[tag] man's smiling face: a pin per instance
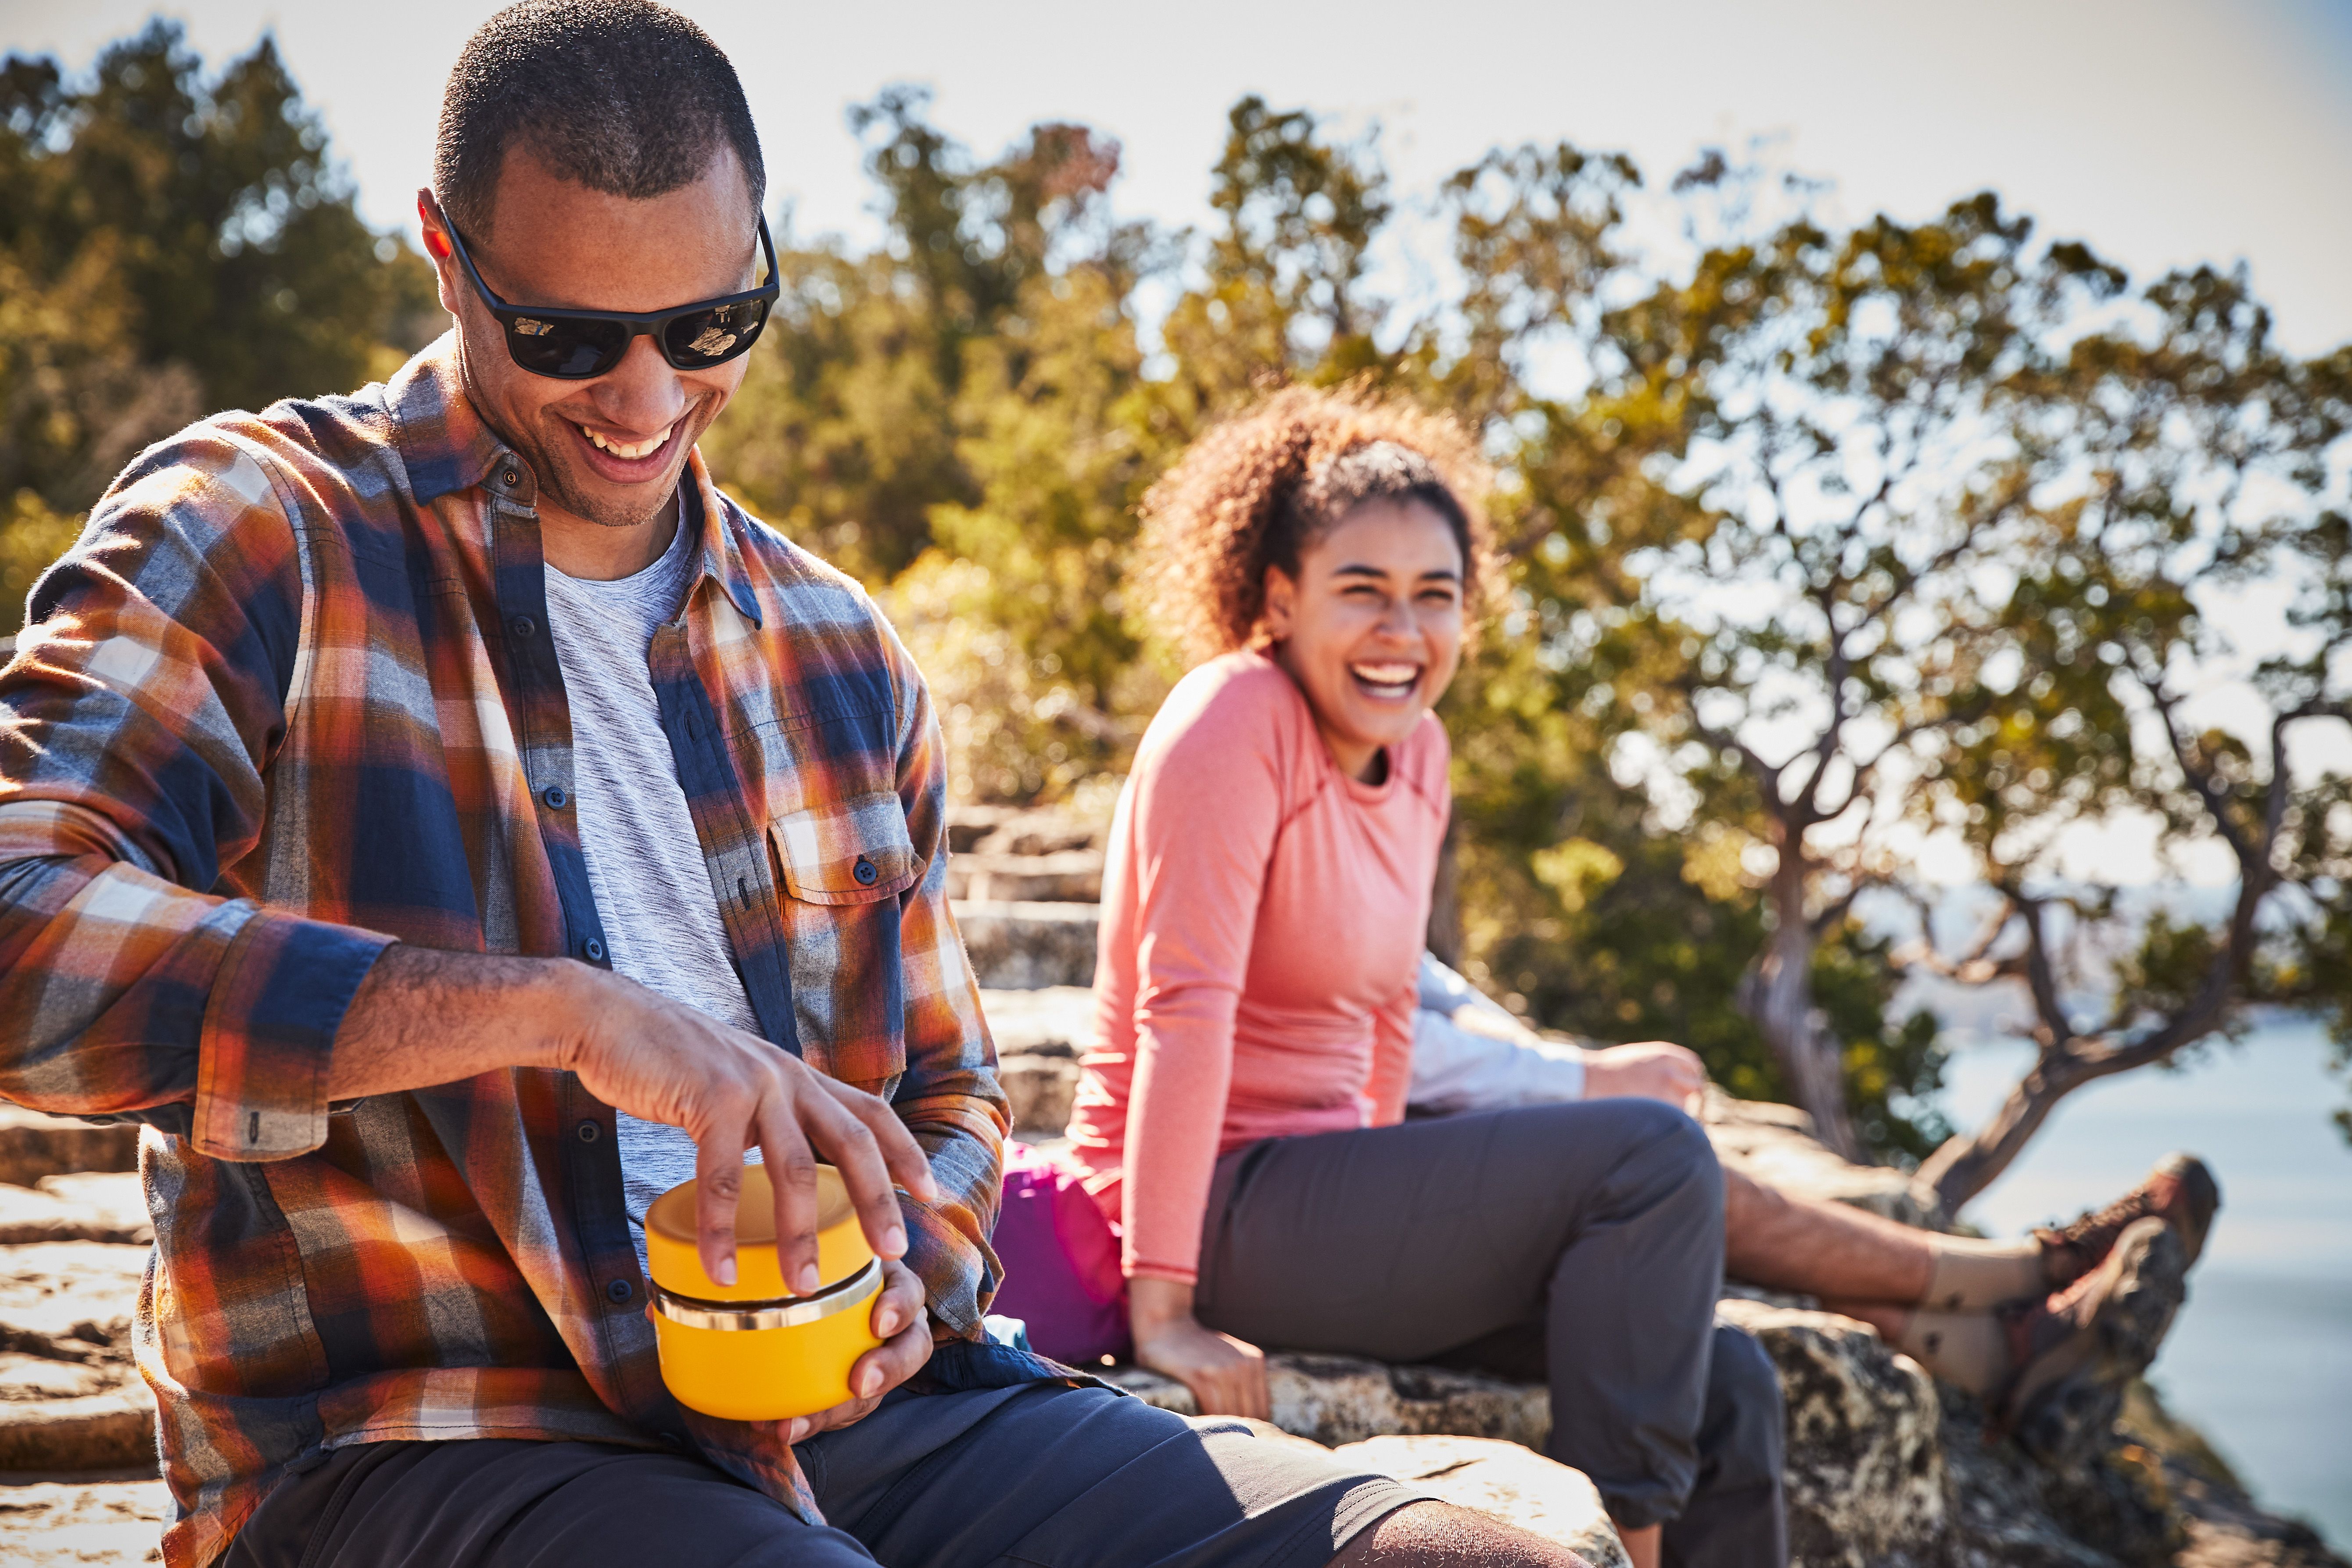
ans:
(607, 451)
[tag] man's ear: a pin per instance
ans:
(429, 218)
(437, 248)
(1281, 610)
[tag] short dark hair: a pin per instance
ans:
(623, 96)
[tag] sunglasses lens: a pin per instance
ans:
(704, 338)
(571, 350)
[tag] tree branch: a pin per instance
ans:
(2210, 790)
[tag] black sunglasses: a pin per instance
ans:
(578, 345)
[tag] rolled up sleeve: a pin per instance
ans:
(135, 723)
(269, 1035)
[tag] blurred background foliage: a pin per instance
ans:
(1820, 538)
(170, 244)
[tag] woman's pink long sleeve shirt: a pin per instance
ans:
(1262, 928)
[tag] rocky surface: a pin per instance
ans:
(1537, 1494)
(1041, 1088)
(89, 1205)
(1774, 1143)
(1335, 1400)
(1038, 1035)
(1022, 833)
(1866, 1480)
(1884, 1469)
(33, 1145)
(1021, 947)
(1067, 876)
(69, 1398)
(1052, 1021)
(48, 1523)
(1496, 1476)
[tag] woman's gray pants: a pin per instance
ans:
(1582, 1243)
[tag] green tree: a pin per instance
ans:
(1627, 542)
(1852, 449)
(169, 245)
(2188, 457)
(847, 433)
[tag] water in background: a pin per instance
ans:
(2260, 1358)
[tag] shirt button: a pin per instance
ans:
(594, 948)
(864, 872)
(524, 627)
(555, 797)
(511, 477)
(620, 1290)
(589, 1131)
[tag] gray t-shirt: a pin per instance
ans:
(653, 889)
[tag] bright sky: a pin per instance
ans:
(2166, 132)
(2163, 132)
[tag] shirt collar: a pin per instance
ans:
(722, 545)
(446, 447)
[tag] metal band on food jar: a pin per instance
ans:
(692, 1311)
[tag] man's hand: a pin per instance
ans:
(1653, 1069)
(663, 1062)
(1226, 1375)
(422, 1018)
(906, 1334)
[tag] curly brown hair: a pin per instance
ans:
(1255, 491)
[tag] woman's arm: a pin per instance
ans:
(1202, 820)
(1202, 825)
(1226, 1375)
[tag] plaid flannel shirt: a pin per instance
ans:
(291, 698)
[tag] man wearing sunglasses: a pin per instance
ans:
(446, 820)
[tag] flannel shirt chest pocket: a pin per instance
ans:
(843, 859)
(848, 852)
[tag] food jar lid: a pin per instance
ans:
(842, 1249)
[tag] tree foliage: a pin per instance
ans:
(1820, 538)
(170, 244)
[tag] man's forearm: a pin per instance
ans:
(424, 1017)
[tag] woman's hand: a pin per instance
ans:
(1226, 1375)
(1653, 1069)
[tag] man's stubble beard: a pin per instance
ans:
(558, 482)
(554, 474)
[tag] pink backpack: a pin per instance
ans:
(1061, 1261)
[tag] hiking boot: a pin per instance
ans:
(2181, 1191)
(2074, 1350)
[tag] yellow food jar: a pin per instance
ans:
(754, 1351)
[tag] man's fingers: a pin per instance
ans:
(891, 1362)
(907, 1345)
(900, 1306)
(718, 1184)
(850, 1145)
(908, 1164)
(792, 1176)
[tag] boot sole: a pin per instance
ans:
(2204, 1194)
(2144, 1288)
